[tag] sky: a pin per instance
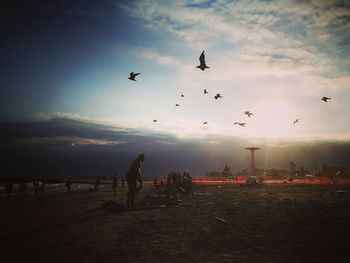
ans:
(70, 60)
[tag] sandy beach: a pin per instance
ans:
(231, 223)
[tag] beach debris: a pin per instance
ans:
(221, 219)
(201, 193)
(113, 207)
(294, 122)
(205, 91)
(205, 122)
(202, 64)
(177, 105)
(133, 75)
(342, 192)
(182, 95)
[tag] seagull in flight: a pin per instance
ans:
(325, 99)
(217, 96)
(294, 122)
(202, 65)
(133, 75)
(155, 121)
(177, 105)
(205, 122)
(182, 95)
(205, 91)
(248, 113)
(240, 123)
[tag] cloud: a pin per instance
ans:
(112, 122)
(275, 26)
(59, 140)
(157, 58)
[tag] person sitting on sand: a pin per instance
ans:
(133, 175)
(97, 184)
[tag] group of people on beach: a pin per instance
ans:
(179, 184)
(22, 186)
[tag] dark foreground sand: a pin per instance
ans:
(271, 223)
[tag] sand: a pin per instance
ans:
(269, 223)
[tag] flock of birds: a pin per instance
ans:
(202, 66)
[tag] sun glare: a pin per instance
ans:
(273, 118)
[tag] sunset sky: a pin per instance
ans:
(71, 60)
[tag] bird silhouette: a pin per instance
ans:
(248, 113)
(202, 65)
(155, 121)
(217, 96)
(205, 122)
(205, 91)
(325, 99)
(240, 123)
(294, 122)
(177, 105)
(182, 95)
(133, 75)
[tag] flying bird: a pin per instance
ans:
(294, 122)
(202, 65)
(325, 99)
(177, 105)
(217, 96)
(205, 91)
(155, 121)
(205, 122)
(240, 123)
(248, 113)
(182, 95)
(133, 75)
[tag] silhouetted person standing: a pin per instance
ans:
(331, 178)
(97, 184)
(133, 175)
(36, 189)
(68, 185)
(123, 182)
(115, 183)
(22, 188)
(9, 187)
(42, 187)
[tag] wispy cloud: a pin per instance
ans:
(278, 32)
(157, 57)
(59, 140)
